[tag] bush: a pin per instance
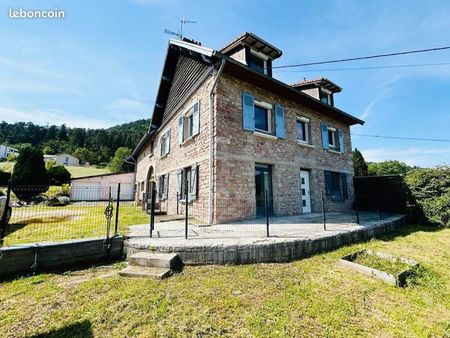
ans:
(4, 177)
(29, 171)
(58, 201)
(58, 175)
(11, 157)
(429, 194)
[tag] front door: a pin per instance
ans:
(263, 183)
(305, 193)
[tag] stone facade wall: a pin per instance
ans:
(194, 150)
(237, 151)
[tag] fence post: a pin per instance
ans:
(323, 212)
(266, 204)
(178, 202)
(3, 219)
(108, 214)
(186, 194)
(357, 211)
(379, 214)
(152, 212)
(116, 221)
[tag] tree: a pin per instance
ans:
(120, 156)
(62, 134)
(11, 157)
(359, 163)
(391, 167)
(30, 172)
(58, 175)
(84, 155)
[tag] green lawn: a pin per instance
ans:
(43, 223)
(75, 171)
(314, 297)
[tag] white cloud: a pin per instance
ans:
(50, 116)
(423, 157)
(383, 92)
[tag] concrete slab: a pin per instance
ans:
(145, 272)
(155, 259)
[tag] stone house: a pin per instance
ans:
(236, 135)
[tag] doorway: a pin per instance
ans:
(263, 183)
(305, 191)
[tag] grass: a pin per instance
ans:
(75, 171)
(314, 297)
(43, 223)
(393, 267)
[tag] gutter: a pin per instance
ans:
(210, 143)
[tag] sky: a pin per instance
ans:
(100, 65)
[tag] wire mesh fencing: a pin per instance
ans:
(57, 214)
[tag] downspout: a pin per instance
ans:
(210, 141)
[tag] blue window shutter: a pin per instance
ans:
(248, 111)
(180, 129)
(279, 121)
(324, 128)
(341, 140)
(196, 119)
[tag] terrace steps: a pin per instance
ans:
(152, 265)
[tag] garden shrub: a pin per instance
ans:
(58, 175)
(429, 194)
(4, 177)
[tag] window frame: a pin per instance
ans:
(188, 121)
(165, 143)
(270, 117)
(335, 137)
(343, 195)
(307, 125)
(262, 57)
(323, 93)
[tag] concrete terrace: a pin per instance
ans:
(291, 237)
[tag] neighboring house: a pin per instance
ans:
(97, 187)
(235, 132)
(5, 151)
(63, 159)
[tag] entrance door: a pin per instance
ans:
(305, 193)
(263, 183)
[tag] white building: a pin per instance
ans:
(63, 159)
(5, 151)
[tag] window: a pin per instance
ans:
(163, 188)
(152, 145)
(302, 129)
(257, 63)
(333, 139)
(165, 143)
(336, 185)
(325, 97)
(263, 117)
(189, 123)
(188, 175)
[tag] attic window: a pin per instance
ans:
(326, 97)
(257, 61)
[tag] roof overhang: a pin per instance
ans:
(323, 82)
(255, 42)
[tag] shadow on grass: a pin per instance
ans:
(409, 229)
(80, 329)
(20, 224)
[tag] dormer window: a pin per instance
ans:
(257, 61)
(326, 97)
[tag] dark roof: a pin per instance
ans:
(254, 42)
(322, 82)
(238, 70)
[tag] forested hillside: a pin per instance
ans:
(92, 145)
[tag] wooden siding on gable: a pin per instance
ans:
(188, 73)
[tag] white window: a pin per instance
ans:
(187, 175)
(333, 140)
(189, 123)
(163, 189)
(264, 117)
(302, 130)
(165, 143)
(257, 61)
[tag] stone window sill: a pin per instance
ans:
(334, 151)
(188, 141)
(305, 144)
(264, 135)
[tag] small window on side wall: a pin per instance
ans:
(165, 143)
(189, 123)
(336, 185)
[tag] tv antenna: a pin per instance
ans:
(179, 35)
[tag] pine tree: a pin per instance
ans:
(359, 163)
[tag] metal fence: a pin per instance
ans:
(43, 214)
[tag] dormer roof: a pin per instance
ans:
(321, 82)
(255, 42)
